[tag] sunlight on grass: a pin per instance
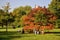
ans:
(12, 34)
(38, 37)
(11, 29)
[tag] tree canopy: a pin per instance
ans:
(54, 7)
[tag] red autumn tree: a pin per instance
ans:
(39, 18)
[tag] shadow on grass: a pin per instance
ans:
(52, 32)
(4, 39)
(57, 35)
(10, 35)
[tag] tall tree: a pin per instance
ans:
(6, 15)
(54, 7)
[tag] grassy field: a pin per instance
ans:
(12, 34)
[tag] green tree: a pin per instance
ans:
(27, 9)
(40, 17)
(1, 17)
(6, 16)
(54, 7)
(19, 12)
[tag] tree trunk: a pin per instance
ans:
(6, 27)
(22, 31)
(2, 25)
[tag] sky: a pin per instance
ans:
(17, 3)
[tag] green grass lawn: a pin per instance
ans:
(12, 34)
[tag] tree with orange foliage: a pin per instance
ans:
(38, 19)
